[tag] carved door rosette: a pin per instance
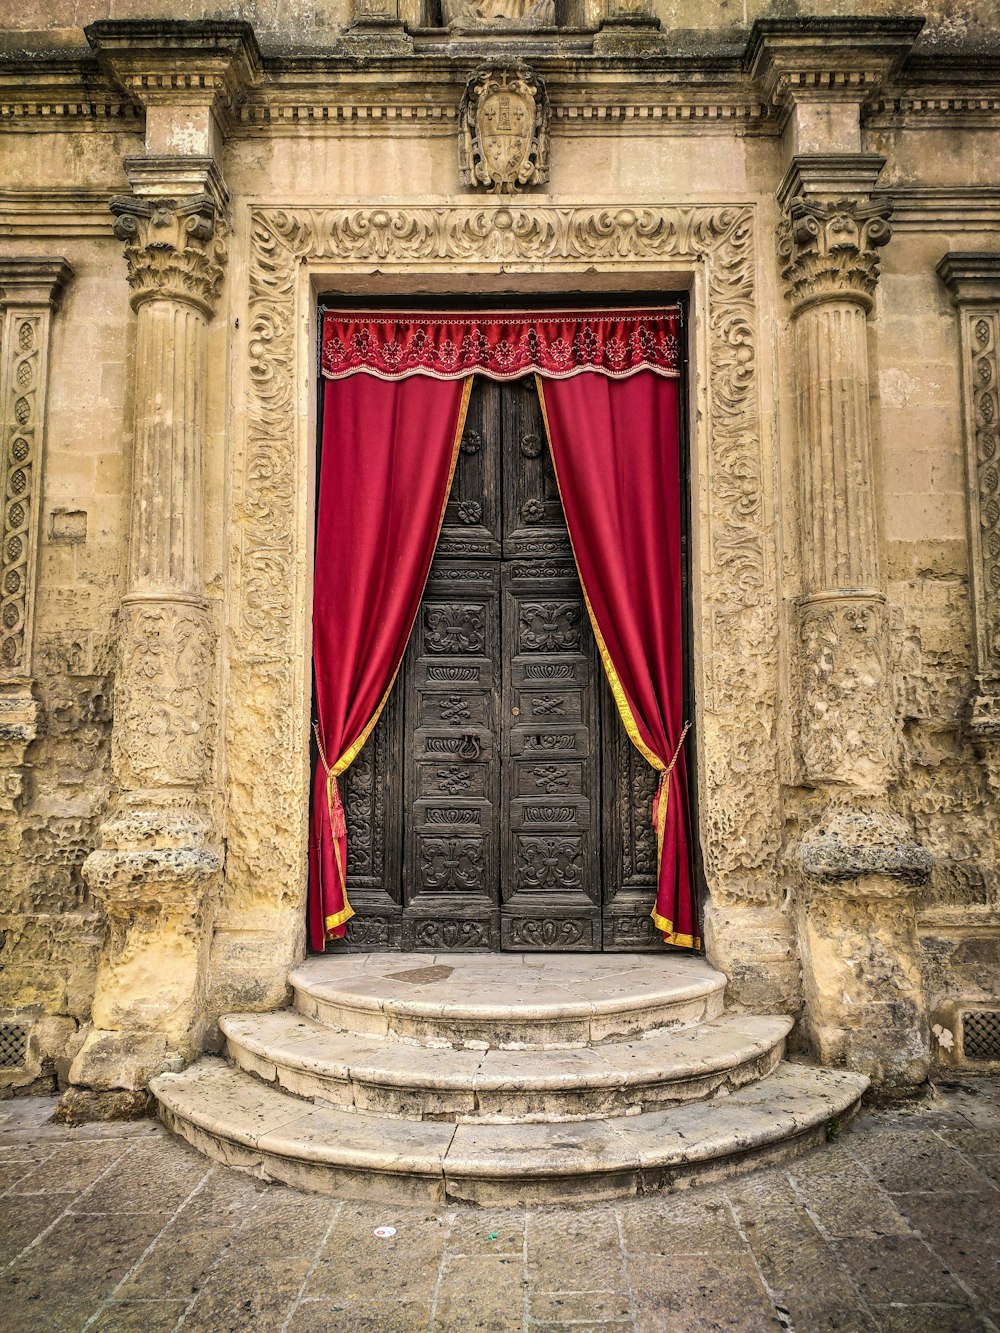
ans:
(504, 124)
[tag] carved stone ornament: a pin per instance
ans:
(525, 14)
(738, 689)
(504, 118)
(847, 730)
(829, 250)
(173, 248)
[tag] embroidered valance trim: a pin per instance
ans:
(555, 344)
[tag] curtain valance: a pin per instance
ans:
(555, 344)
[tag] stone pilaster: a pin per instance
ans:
(159, 858)
(859, 864)
(856, 865)
(30, 291)
(973, 278)
(158, 866)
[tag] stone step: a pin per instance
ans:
(238, 1120)
(397, 1078)
(482, 1001)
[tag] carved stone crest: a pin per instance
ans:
(504, 118)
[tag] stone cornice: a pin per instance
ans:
(159, 61)
(827, 57)
(971, 276)
(138, 64)
(33, 281)
(842, 59)
(830, 174)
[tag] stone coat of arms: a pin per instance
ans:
(504, 119)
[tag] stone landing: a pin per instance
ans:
(503, 1079)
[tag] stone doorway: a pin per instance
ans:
(499, 803)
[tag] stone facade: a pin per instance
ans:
(825, 192)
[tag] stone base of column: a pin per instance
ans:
(852, 840)
(754, 946)
(155, 875)
(861, 977)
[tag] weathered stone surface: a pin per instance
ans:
(842, 592)
(234, 1251)
(243, 1122)
(399, 1078)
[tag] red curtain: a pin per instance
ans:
(615, 446)
(389, 452)
(396, 392)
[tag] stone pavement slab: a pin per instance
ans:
(891, 1228)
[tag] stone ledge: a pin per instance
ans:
(236, 1120)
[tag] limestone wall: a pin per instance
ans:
(298, 181)
(298, 24)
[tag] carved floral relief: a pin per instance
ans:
(737, 689)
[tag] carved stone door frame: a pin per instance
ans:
(292, 254)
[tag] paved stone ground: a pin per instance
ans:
(895, 1226)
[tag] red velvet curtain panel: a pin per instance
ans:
(615, 447)
(389, 452)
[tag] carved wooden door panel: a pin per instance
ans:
(499, 803)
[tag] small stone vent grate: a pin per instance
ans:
(981, 1034)
(13, 1045)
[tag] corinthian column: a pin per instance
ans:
(860, 866)
(159, 860)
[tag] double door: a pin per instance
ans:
(499, 803)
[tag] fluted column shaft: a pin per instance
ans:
(165, 547)
(840, 550)
(846, 727)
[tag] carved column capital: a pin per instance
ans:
(829, 250)
(174, 249)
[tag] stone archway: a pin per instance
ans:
(293, 252)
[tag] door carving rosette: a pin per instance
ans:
(858, 862)
(159, 861)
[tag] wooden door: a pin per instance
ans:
(499, 803)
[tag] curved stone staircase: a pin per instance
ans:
(502, 1079)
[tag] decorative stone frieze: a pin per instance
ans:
(504, 123)
(973, 278)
